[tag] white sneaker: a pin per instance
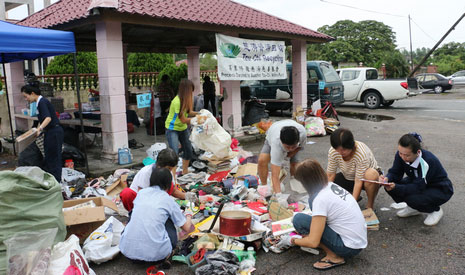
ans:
(434, 217)
(407, 212)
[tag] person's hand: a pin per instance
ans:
(286, 241)
(188, 213)
(38, 131)
(383, 179)
(192, 197)
(390, 186)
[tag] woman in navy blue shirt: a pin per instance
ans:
(50, 126)
(426, 186)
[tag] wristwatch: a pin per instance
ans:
(293, 241)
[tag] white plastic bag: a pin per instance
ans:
(68, 255)
(69, 175)
(28, 253)
(208, 135)
(103, 244)
(282, 94)
(315, 126)
(153, 151)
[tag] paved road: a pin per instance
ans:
(401, 246)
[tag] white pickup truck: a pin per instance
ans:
(362, 85)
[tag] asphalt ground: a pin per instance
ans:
(402, 245)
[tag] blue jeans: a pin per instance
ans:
(330, 238)
(176, 137)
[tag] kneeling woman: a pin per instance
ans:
(337, 224)
(426, 186)
(150, 235)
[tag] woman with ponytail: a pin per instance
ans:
(426, 186)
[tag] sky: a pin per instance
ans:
(430, 19)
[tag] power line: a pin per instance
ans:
(435, 40)
(356, 8)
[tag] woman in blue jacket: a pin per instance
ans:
(426, 186)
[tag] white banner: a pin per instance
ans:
(245, 59)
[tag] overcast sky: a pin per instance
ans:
(431, 19)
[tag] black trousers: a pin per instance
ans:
(53, 142)
(212, 100)
(427, 200)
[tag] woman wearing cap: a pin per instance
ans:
(426, 186)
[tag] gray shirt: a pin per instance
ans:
(278, 153)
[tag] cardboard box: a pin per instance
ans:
(83, 221)
(118, 186)
(247, 169)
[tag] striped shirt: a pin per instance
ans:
(355, 167)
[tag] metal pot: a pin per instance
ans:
(235, 223)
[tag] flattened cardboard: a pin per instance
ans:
(277, 212)
(25, 140)
(247, 169)
(118, 186)
(83, 221)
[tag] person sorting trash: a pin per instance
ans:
(167, 158)
(336, 225)
(49, 125)
(284, 139)
(177, 121)
(426, 186)
(150, 235)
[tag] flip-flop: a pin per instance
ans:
(331, 264)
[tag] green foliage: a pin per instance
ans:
(64, 64)
(355, 42)
(449, 64)
(1, 85)
(396, 66)
(148, 62)
(175, 74)
(208, 61)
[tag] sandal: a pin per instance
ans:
(331, 264)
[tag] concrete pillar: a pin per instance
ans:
(299, 73)
(2, 10)
(193, 67)
(112, 93)
(232, 111)
(30, 7)
(15, 80)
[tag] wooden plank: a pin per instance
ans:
(24, 140)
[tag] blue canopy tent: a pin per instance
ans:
(19, 43)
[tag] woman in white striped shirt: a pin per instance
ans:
(356, 163)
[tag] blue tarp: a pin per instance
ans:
(24, 43)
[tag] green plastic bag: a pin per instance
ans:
(30, 200)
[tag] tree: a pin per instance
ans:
(395, 63)
(148, 62)
(356, 42)
(208, 61)
(64, 64)
(175, 74)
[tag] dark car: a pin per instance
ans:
(437, 82)
(317, 71)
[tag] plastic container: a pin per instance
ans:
(124, 156)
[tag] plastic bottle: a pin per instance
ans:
(248, 263)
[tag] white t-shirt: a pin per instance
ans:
(142, 178)
(273, 136)
(343, 215)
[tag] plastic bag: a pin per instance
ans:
(30, 200)
(208, 135)
(315, 126)
(70, 175)
(153, 151)
(29, 253)
(282, 94)
(67, 254)
(103, 244)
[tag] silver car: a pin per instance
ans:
(458, 78)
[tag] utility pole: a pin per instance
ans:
(411, 53)
(435, 46)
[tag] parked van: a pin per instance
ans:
(317, 71)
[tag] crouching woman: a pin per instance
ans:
(150, 235)
(337, 224)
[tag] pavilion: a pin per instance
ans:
(114, 27)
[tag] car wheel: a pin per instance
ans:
(438, 90)
(372, 100)
(388, 103)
